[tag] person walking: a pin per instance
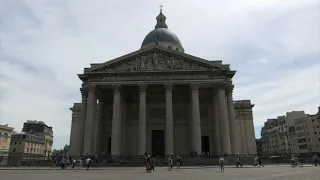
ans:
(256, 161)
(80, 163)
(148, 161)
(260, 162)
(63, 162)
(88, 161)
(238, 162)
(54, 163)
(153, 162)
(315, 159)
(67, 163)
(74, 161)
(170, 162)
(178, 162)
(221, 162)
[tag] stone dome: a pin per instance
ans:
(163, 36)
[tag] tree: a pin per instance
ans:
(259, 146)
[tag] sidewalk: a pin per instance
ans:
(132, 168)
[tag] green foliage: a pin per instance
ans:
(259, 147)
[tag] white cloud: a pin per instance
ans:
(299, 90)
(44, 44)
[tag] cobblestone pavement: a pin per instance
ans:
(266, 173)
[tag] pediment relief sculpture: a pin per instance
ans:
(156, 61)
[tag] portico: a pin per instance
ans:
(158, 100)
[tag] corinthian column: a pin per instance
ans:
(83, 112)
(234, 133)
(116, 121)
(196, 125)
(216, 131)
(142, 119)
(99, 127)
(90, 120)
(223, 120)
(169, 120)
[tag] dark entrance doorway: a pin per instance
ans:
(205, 144)
(158, 148)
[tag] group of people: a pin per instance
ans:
(70, 162)
(151, 161)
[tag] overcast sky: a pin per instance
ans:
(273, 44)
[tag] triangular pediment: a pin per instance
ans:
(155, 58)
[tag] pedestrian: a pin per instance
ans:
(67, 163)
(255, 161)
(97, 160)
(63, 162)
(73, 162)
(170, 162)
(221, 162)
(88, 161)
(315, 159)
(80, 162)
(148, 163)
(239, 162)
(178, 162)
(54, 163)
(153, 162)
(260, 162)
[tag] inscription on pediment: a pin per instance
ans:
(157, 62)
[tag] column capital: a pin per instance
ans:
(221, 85)
(84, 91)
(142, 87)
(229, 87)
(91, 88)
(116, 88)
(194, 86)
(168, 86)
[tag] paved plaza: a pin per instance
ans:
(267, 173)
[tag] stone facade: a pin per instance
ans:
(275, 137)
(5, 139)
(295, 133)
(40, 129)
(161, 101)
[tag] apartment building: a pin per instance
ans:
(24, 147)
(292, 118)
(274, 136)
(40, 129)
(295, 133)
(5, 139)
